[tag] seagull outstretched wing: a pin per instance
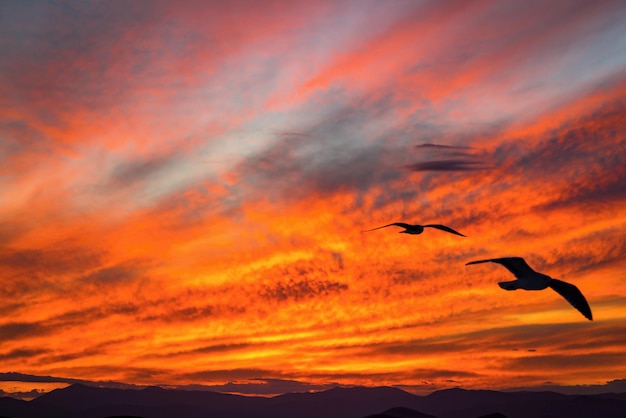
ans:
(444, 228)
(515, 265)
(403, 225)
(573, 295)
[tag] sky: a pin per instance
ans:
(184, 186)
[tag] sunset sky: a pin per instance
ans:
(183, 187)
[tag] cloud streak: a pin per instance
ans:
(449, 158)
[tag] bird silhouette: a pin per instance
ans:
(417, 229)
(529, 279)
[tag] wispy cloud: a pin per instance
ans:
(450, 158)
(17, 330)
(22, 353)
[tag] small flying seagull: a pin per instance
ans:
(529, 279)
(417, 229)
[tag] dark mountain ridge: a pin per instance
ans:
(400, 412)
(83, 401)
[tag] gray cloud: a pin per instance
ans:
(19, 139)
(448, 165)
(187, 208)
(296, 167)
(315, 163)
(286, 134)
(450, 158)
(76, 43)
(446, 148)
(129, 173)
(328, 156)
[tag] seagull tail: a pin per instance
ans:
(512, 285)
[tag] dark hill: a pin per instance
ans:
(400, 412)
(11, 407)
(80, 401)
(89, 401)
(341, 402)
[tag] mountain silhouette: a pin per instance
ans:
(82, 401)
(121, 416)
(400, 412)
(12, 407)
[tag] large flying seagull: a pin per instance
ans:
(529, 279)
